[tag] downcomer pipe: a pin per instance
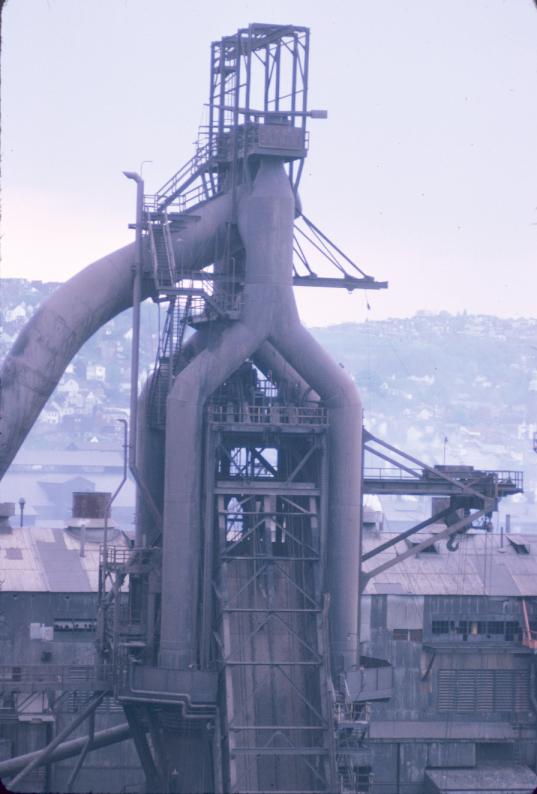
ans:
(266, 217)
(75, 311)
(104, 738)
(151, 441)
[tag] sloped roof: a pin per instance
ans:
(41, 559)
(480, 566)
(497, 778)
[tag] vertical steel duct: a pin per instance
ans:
(266, 217)
(266, 229)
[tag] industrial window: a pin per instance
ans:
(483, 690)
(440, 626)
(492, 752)
(365, 778)
(468, 629)
(356, 778)
(410, 635)
(74, 624)
(495, 627)
(513, 631)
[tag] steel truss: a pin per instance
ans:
(268, 624)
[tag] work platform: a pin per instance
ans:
(420, 482)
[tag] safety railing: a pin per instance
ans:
(176, 190)
(43, 676)
(114, 557)
(391, 473)
(243, 413)
(504, 478)
(512, 478)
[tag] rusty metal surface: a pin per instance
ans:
(48, 560)
(481, 566)
(508, 778)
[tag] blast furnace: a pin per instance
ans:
(230, 630)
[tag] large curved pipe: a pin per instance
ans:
(266, 229)
(339, 393)
(151, 441)
(269, 317)
(104, 738)
(150, 462)
(75, 311)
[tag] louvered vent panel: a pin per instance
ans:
(522, 693)
(485, 691)
(504, 690)
(466, 690)
(446, 690)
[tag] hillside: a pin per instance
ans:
(469, 379)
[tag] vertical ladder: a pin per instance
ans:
(166, 366)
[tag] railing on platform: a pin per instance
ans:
(48, 676)
(267, 414)
(115, 557)
(391, 473)
(504, 478)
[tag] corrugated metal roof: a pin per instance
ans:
(48, 560)
(480, 566)
(507, 778)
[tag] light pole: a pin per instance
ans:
(135, 350)
(136, 300)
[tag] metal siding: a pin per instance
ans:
(404, 612)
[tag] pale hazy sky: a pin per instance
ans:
(425, 171)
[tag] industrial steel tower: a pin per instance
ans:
(230, 630)
(243, 591)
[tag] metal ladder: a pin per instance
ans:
(164, 267)
(167, 362)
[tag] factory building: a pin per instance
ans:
(455, 628)
(453, 685)
(48, 608)
(228, 633)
